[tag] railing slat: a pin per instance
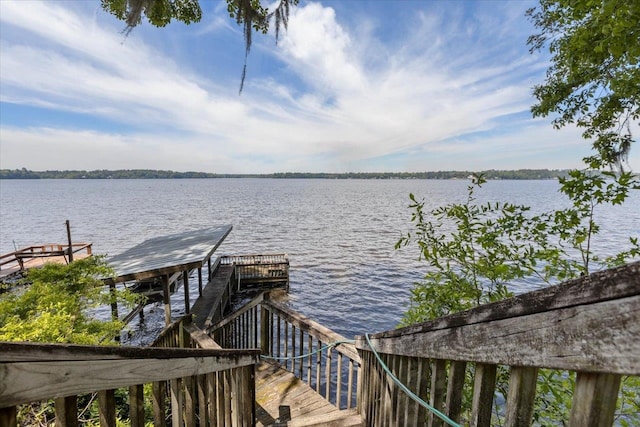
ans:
(484, 385)
(594, 399)
(177, 419)
(136, 405)
(158, 394)
(66, 411)
(107, 405)
(438, 390)
(522, 391)
(455, 387)
(9, 416)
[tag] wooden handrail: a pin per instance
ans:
(34, 372)
(298, 343)
(589, 326)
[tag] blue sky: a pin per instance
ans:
(354, 85)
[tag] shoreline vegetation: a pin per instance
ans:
(520, 174)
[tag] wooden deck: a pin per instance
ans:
(21, 260)
(282, 399)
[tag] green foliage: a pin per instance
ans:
(474, 251)
(594, 78)
(54, 306)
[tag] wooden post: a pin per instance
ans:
(114, 300)
(136, 405)
(107, 404)
(265, 329)
(159, 391)
(438, 390)
(200, 281)
(484, 385)
(454, 389)
(522, 391)
(69, 239)
(594, 399)
(185, 283)
(166, 299)
(8, 417)
(66, 411)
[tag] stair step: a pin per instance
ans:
(344, 418)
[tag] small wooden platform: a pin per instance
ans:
(284, 400)
(21, 260)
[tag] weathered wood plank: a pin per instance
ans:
(66, 411)
(438, 390)
(158, 394)
(136, 405)
(594, 400)
(455, 385)
(32, 381)
(107, 405)
(484, 385)
(522, 392)
(34, 352)
(616, 283)
(599, 337)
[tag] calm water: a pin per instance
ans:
(339, 234)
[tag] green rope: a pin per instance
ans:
(302, 356)
(411, 394)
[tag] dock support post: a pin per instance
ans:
(185, 283)
(265, 328)
(166, 300)
(70, 244)
(199, 281)
(114, 300)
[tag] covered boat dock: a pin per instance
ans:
(167, 259)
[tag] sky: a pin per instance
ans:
(352, 86)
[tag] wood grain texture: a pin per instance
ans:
(598, 337)
(31, 381)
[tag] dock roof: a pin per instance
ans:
(166, 255)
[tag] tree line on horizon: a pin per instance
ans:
(167, 174)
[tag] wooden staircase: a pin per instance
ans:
(282, 399)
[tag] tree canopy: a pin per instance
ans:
(594, 77)
(251, 14)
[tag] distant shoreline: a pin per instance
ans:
(523, 174)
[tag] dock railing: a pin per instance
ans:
(202, 386)
(320, 357)
(256, 268)
(589, 327)
(16, 259)
(222, 398)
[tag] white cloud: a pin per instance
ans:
(360, 99)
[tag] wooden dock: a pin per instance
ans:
(13, 264)
(588, 327)
(233, 274)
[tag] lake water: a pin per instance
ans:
(339, 234)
